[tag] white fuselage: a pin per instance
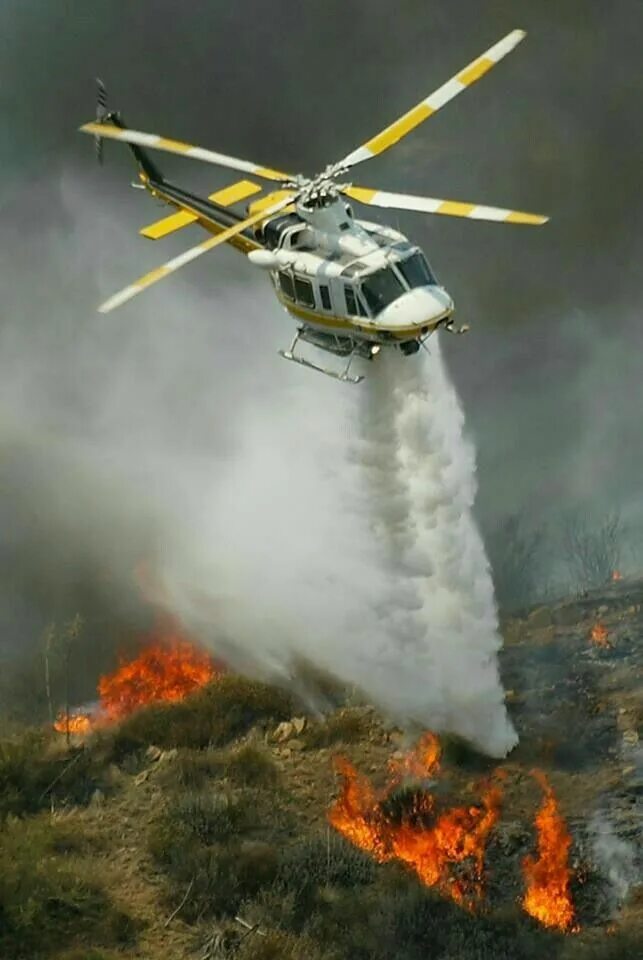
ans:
(352, 278)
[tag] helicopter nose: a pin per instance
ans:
(416, 308)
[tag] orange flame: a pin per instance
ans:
(547, 876)
(77, 723)
(616, 575)
(166, 671)
(599, 635)
(445, 849)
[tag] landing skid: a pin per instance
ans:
(344, 376)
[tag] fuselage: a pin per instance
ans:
(352, 277)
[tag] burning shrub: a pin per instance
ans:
(46, 901)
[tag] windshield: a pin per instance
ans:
(415, 271)
(380, 289)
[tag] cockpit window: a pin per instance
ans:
(416, 271)
(380, 289)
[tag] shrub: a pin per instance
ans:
(32, 771)
(349, 725)
(213, 842)
(46, 902)
(281, 946)
(250, 766)
(324, 859)
(217, 714)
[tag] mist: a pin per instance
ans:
(119, 433)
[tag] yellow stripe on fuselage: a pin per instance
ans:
(341, 323)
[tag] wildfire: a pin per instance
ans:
(445, 849)
(166, 671)
(547, 875)
(76, 723)
(616, 575)
(599, 635)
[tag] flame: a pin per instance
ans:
(77, 723)
(167, 670)
(599, 635)
(616, 575)
(445, 849)
(547, 875)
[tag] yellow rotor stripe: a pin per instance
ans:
(362, 194)
(453, 208)
(389, 136)
(474, 71)
(516, 217)
(443, 95)
(153, 141)
(174, 146)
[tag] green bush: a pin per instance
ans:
(33, 771)
(195, 769)
(46, 902)
(215, 842)
(349, 725)
(281, 946)
(216, 715)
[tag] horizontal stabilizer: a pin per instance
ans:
(176, 221)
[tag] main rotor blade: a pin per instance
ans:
(175, 264)
(451, 208)
(155, 142)
(427, 107)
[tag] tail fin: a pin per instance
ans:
(146, 165)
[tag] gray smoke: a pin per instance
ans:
(615, 858)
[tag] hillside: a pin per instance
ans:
(147, 838)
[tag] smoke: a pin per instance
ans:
(281, 514)
(615, 858)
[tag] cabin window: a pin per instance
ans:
(349, 294)
(361, 309)
(324, 293)
(381, 288)
(304, 292)
(286, 285)
(416, 271)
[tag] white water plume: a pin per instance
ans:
(342, 530)
(441, 613)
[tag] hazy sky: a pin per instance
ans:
(550, 375)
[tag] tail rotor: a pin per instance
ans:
(101, 114)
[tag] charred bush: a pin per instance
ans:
(592, 549)
(518, 557)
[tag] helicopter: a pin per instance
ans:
(354, 287)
